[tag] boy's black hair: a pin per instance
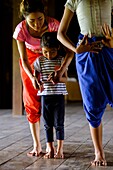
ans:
(49, 39)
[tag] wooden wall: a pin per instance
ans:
(6, 55)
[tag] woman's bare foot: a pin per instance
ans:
(99, 160)
(35, 152)
(49, 154)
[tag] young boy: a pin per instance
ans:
(52, 94)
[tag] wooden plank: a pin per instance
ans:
(16, 142)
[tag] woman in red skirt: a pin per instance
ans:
(28, 34)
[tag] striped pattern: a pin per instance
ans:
(45, 67)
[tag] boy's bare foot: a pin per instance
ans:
(59, 155)
(49, 154)
(47, 150)
(99, 161)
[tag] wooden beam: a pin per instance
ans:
(17, 105)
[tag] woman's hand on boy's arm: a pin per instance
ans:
(63, 79)
(55, 78)
(57, 75)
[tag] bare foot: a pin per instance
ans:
(99, 161)
(35, 152)
(47, 150)
(49, 154)
(59, 155)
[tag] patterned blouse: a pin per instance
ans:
(91, 14)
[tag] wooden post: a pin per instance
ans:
(17, 106)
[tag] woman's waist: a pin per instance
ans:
(36, 51)
(91, 34)
(92, 37)
(32, 55)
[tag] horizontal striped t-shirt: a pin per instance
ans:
(45, 67)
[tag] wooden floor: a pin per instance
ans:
(16, 141)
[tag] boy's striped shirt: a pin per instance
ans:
(45, 67)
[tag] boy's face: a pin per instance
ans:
(49, 53)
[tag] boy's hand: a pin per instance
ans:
(54, 77)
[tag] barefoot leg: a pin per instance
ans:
(59, 154)
(50, 150)
(47, 148)
(35, 132)
(96, 134)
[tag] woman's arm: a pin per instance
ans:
(63, 79)
(84, 46)
(64, 39)
(24, 58)
(25, 62)
(63, 28)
